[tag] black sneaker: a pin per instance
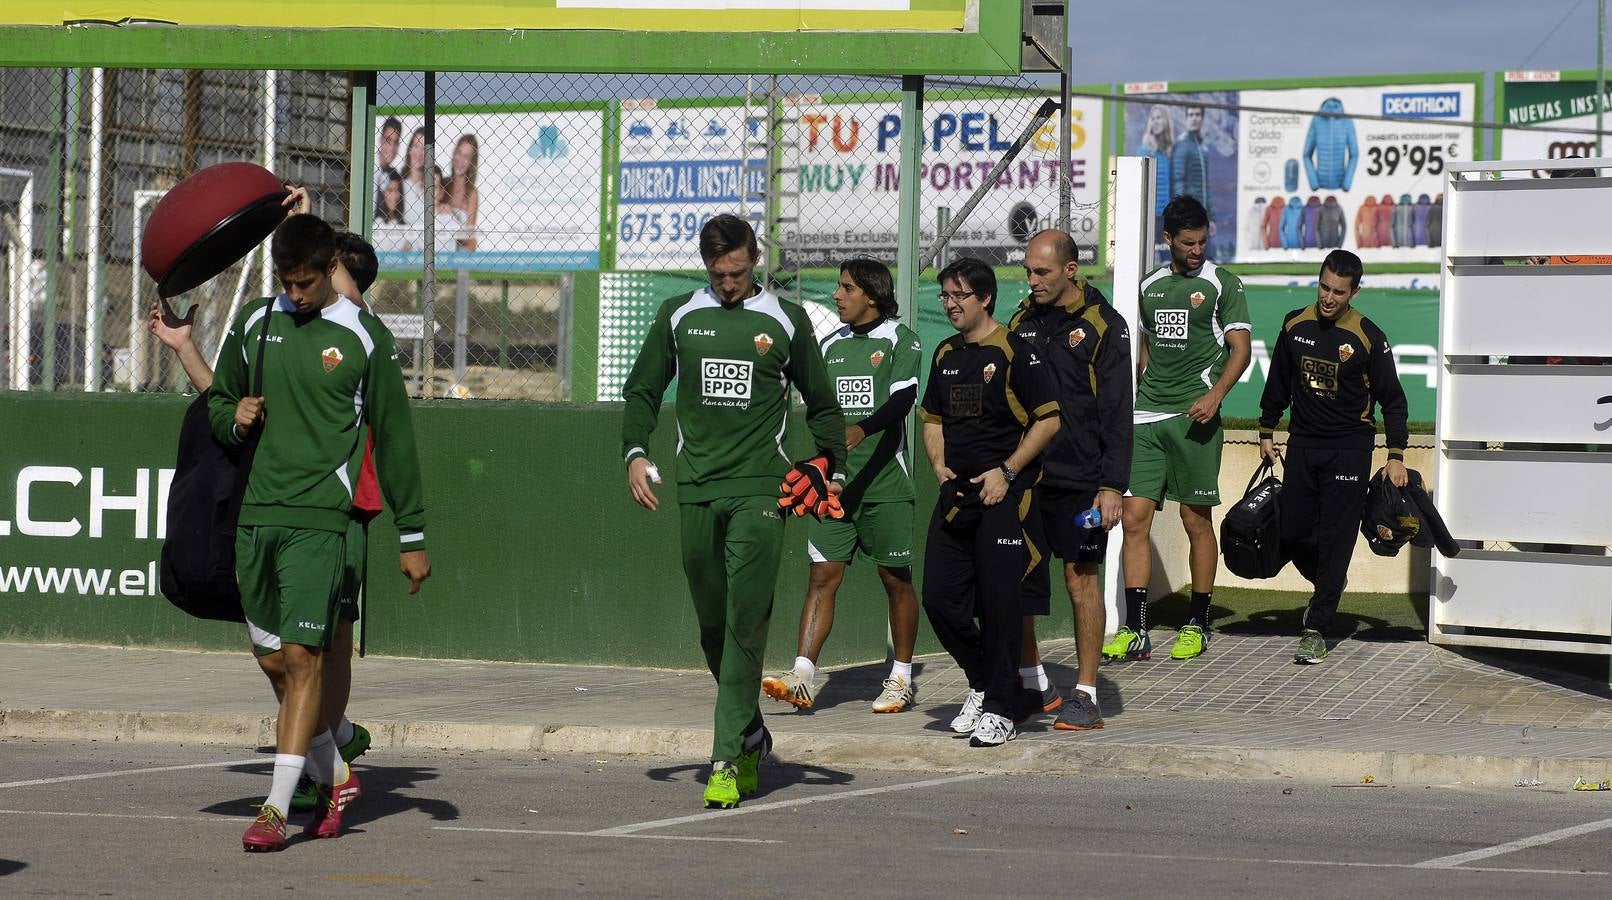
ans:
(1080, 713)
(1312, 648)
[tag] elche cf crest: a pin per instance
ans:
(1197, 299)
(1345, 351)
(763, 343)
(1076, 336)
(876, 358)
(990, 372)
(331, 357)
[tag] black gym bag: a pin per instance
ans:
(204, 505)
(1251, 531)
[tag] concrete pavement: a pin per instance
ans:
(1403, 712)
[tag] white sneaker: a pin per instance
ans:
(789, 687)
(897, 695)
(969, 718)
(992, 731)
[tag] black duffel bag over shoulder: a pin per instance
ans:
(1251, 531)
(204, 506)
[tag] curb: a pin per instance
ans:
(1029, 757)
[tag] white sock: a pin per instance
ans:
(287, 769)
(901, 670)
(1034, 677)
(344, 732)
(1090, 689)
(324, 763)
(806, 669)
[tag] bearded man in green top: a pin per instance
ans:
(734, 348)
(1195, 345)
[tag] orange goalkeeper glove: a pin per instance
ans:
(805, 490)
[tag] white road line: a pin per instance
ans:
(1549, 837)
(783, 804)
(595, 834)
(1345, 864)
(94, 775)
(231, 820)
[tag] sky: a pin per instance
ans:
(1200, 41)
(1194, 40)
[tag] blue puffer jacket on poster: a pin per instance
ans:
(1330, 150)
(1292, 223)
(1312, 218)
(1419, 214)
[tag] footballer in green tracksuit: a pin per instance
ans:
(872, 362)
(328, 370)
(733, 349)
(1195, 345)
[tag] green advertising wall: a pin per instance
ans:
(538, 552)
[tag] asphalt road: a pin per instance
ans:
(99, 819)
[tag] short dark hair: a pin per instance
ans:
(974, 272)
(874, 278)
(392, 123)
(724, 234)
(359, 258)
(303, 241)
(1184, 212)
(1064, 245)
(1344, 264)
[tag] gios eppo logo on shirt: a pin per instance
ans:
(1170, 324)
(726, 379)
(855, 391)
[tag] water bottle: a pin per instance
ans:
(1091, 518)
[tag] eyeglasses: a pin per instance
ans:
(946, 296)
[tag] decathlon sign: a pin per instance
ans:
(1423, 104)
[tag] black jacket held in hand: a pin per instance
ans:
(1088, 346)
(1396, 516)
(1333, 374)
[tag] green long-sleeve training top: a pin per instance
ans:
(326, 375)
(733, 366)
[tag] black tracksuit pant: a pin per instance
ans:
(976, 572)
(1323, 497)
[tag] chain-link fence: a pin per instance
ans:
(85, 155)
(555, 212)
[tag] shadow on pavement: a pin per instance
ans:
(774, 776)
(858, 684)
(382, 797)
(11, 867)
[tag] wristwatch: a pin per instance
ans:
(1008, 473)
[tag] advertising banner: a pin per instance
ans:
(847, 163)
(1539, 100)
(1291, 173)
(519, 191)
(645, 15)
(1194, 150)
(681, 165)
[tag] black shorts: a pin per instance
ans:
(1064, 539)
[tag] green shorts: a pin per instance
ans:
(290, 581)
(355, 571)
(882, 531)
(1177, 459)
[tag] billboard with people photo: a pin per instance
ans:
(513, 191)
